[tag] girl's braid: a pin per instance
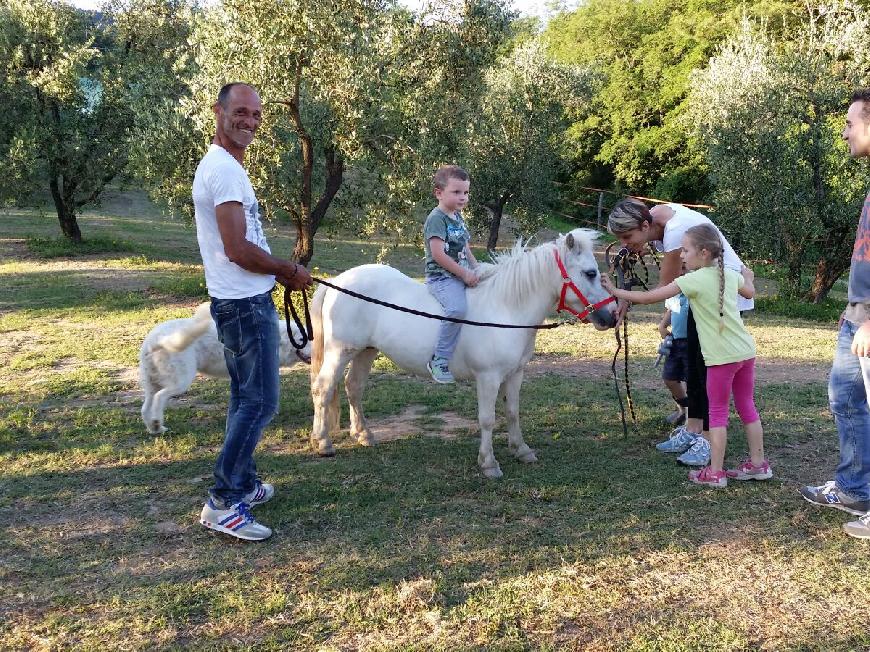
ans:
(721, 291)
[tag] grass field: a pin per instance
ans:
(602, 545)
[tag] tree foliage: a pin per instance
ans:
(517, 137)
(362, 102)
(770, 119)
(69, 82)
(646, 50)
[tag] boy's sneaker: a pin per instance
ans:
(437, 366)
(859, 529)
(709, 478)
(748, 471)
(679, 442)
(830, 495)
(262, 493)
(698, 453)
(677, 418)
(237, 521)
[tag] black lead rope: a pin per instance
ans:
(623, 265)
(307, 334)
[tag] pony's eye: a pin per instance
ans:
(591, 274)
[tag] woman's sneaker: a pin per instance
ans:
(679, 442)
(437, 366)
(709, 478)
(859, 529)
(698, 453)
(237, 521)
(748, 471)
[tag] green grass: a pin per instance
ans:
(62, 247)
(602, 545)
(828, 310)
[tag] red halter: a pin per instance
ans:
(568, 283)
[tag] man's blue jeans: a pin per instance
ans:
(847, 394)
(248, 329)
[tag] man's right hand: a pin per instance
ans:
(294, 277)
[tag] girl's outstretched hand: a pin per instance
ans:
(607, 283)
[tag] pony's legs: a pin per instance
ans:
(487, 392)
(354, 385)
(516, 444)
(323, 392)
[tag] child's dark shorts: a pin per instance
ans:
(677, 363)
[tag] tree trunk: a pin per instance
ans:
(66, 213)
(827, 273)
(497, 210)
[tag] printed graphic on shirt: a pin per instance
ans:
(254, 228)
(861, 251)
(457, 237)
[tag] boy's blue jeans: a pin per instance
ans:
(450, 292)
(847, 394)
(248, 329)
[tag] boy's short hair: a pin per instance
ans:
(863, 95)
(447, 172)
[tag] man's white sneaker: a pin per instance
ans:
(262, 493)
(237, 521)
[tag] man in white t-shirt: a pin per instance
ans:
(240, 273)
(663, 227)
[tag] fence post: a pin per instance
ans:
(600, 208)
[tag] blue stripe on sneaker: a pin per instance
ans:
(228, 518)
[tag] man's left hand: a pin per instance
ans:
(861, 341)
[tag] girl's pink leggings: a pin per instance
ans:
(722, 380)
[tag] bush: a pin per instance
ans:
(828, 310)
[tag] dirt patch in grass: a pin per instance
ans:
(411, 422)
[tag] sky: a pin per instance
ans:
(525, 7)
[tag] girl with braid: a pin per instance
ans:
(729, 350)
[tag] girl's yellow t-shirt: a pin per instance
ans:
(734, 343)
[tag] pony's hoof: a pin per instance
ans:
(366, 440)
(528, 457)
(157, 429)
(493, 472)
(326, 452)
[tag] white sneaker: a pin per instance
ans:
(698, 453)
(237, 521)
(262, 493)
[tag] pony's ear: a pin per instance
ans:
(569, 241)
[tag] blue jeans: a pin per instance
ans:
(847, 394)
(248, 329)
(450, 292)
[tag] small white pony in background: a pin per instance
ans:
(523, 287)
(175, 350)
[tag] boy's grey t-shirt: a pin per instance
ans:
(453, 232)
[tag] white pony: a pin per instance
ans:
(175, 350)
(523, 287)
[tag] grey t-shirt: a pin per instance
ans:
(452, 230)
(859, 273)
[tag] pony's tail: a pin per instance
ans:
(184, 337)
(317, 332)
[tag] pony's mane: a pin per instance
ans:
(518, 271)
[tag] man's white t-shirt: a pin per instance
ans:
(685, 218)
(220, 178)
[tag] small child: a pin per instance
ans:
(728, 348)
(677, 359)
(450, 264)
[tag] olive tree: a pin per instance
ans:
(69, 82)
(517, 138)
(362, 100)
(770, 120)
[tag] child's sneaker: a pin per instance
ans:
(437, 366)
(830, 495)
(859, 529)
(262, 493)
(748, 471)
(709, 478)
(237, 521)
(679, 442)
(698, 453)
